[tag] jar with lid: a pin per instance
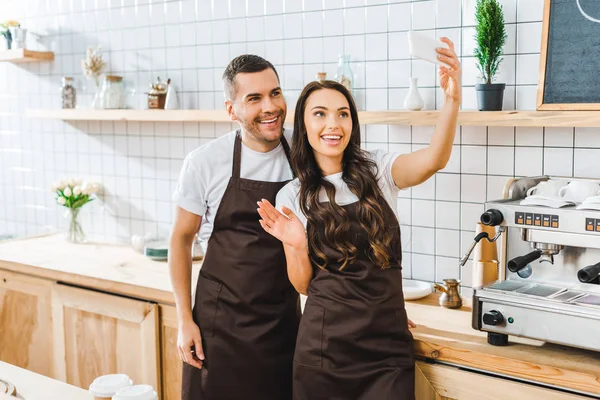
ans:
(344, 74)
(112, 95)
(67, 92)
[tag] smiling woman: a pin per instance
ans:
(341, 239)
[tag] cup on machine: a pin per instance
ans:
(578, 191)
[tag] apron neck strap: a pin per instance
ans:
(237, 153)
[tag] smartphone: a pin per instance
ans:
(424, 47)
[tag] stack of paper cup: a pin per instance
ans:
(137, 392)
(105, 386)
(485, 258)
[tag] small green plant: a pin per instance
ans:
(490, 37)
(8, 24)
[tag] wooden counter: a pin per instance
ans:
(32, 386)
(446, 335)
(109, 267)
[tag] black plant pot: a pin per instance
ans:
(490, 96)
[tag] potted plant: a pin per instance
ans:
(490, 37)
(5, 28)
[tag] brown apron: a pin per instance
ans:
(247, 310)
(354, 341)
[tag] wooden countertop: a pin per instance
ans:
(446, 335)
(32, 386)
(110, 267)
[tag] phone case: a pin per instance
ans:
(423, 47)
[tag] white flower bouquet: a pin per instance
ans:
(73, 193)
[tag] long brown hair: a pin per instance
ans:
(328, 223)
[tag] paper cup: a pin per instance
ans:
(105, 386)
(484, 272)
(137, 392)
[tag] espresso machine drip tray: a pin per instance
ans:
(568, 296)
(541, 290)
(520, 288)
(590, 299)
(507, 286)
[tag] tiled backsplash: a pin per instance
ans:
(191, 41)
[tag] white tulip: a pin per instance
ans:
(61, 184)
(67, 192)
(78, 182)
(77, 190)
(54, 187)
(72, 182)
(95, 187)
(61, 201)
(85, 188)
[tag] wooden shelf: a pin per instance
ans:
(132, 115)
(402, 117)
(25, 56)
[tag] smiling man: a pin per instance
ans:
(237, 342)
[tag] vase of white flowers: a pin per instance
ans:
(73, 194)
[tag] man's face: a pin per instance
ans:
(258, 105)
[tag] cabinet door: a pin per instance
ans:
(170, 362)
(440, 382)
(98, 333)
(26, 322)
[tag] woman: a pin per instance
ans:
(342, 243)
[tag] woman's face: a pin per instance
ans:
(328, 123)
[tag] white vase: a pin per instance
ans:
(413, 100)
(171, 102)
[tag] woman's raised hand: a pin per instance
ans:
(285, 227)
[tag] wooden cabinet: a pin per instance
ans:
(97, 333)
(441, 382)
(170, 363)
(26, 322)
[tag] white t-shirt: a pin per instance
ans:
(206, 172)
(289, 195)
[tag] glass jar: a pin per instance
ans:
(67, 92)
(112, 95)
(344, 73)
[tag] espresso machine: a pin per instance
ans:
(549, 272)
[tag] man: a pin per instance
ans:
(238, 340)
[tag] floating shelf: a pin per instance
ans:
(132, 115)
(465, 118)
(25, 56)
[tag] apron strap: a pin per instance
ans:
(286, 150)
(237, 153)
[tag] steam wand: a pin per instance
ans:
(480, 236)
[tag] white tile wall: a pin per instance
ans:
(191, 41)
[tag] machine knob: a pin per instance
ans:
(493, 317)
(492, 217)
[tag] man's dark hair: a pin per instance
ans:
(246, 63)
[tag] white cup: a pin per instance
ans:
(547, 188)
(579, 190)
(105, 386)
(137, 392)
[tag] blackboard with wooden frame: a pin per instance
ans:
(569, 75)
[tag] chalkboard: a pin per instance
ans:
(570, 56)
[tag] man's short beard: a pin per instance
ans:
(253, 129)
